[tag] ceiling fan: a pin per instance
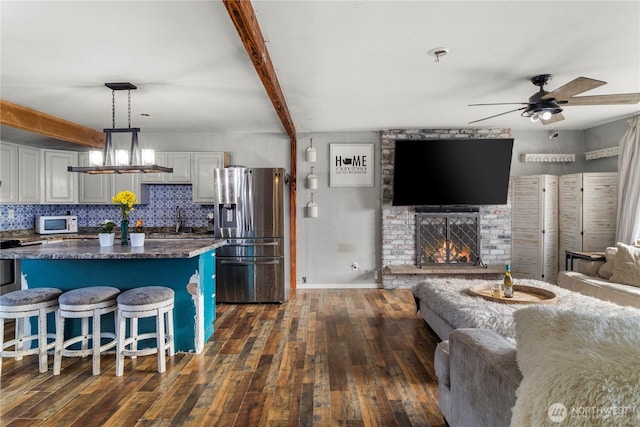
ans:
(546, 106)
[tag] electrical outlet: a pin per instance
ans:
(304, 279)
(354, 265)
(11, 213)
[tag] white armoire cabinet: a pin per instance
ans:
(588, 208)
(534, 227)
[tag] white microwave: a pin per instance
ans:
(56, 224)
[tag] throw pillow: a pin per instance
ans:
(626, 268)
(579, 368)
(590, 268)
(606, 270)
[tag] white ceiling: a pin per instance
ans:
(342, 65)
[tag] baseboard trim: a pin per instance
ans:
(339, 286)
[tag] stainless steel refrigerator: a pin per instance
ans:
(249, 213)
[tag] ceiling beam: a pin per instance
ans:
(246, 23)
(29, 120)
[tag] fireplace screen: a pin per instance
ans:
(447, 239)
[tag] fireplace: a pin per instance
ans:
(448, 237)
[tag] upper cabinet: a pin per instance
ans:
(202, 165)
(60, 185)
(8, 173)
(30, 177)
(181, 164)
(92, 189)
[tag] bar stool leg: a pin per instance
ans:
(133, 324)
(20, 327)
(161, 341)
(121, 329)
(170, 340)
(57, 352)
(96, 341)
(1, 341)
(42, 339)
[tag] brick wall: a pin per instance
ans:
(398, 222)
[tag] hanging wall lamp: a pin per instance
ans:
(110, 160)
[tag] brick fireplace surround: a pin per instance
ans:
(398, 222)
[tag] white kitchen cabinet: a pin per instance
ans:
(588, 208)
(30, 178)
(155, 178)
(130, 182)
(8, 173)
(181, 164)
(93, 188)
(202, 168)
(60, 185)
(534, 227)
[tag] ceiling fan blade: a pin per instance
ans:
(613, 99)
(555, 118)
(574, 87)
(500, 103)
(496, 115)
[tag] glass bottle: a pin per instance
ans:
(508, 283)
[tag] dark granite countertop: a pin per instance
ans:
(78, 248)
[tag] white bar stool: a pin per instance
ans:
(148, 301)
(85, 303)
(21, 305)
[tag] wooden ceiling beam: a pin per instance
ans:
(23, 118)
(246, 23)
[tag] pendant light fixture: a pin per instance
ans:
(110, 160)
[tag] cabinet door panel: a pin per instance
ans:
(60, 184)
(8, 173)
(92, 189)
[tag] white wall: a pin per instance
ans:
(535, 142)
(348, 226)
(600, 137)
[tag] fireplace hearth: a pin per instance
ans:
(448, 238)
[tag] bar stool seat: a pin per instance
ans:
(21, 305)
(147, 301)
(85, 303)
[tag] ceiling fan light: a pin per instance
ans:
(546, 115)
(535, 117)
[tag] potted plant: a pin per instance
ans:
(106, 232)
(137, 235)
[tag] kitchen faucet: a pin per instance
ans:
(178, 219)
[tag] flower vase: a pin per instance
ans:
(106, 239)
(137, 239)
(124, 228)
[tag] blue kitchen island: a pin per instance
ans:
(185, 265)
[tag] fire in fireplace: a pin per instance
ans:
(448, 238)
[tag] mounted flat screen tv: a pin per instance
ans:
(445, 172)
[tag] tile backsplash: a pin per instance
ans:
(160, 212)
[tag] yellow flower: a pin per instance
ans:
(126, 200)
(139, 226)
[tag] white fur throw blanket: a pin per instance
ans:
(449, 299)
(579, 368)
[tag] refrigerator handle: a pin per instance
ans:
(272, 262)
(250, 201)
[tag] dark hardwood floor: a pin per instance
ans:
(324, 358)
